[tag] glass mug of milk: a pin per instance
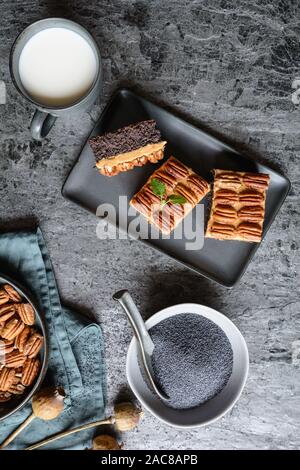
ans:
(56, 65)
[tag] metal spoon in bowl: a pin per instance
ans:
(142, 335)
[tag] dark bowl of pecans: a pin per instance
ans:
(23, 347)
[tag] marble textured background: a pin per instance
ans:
(229, 67)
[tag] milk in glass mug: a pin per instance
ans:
(56, 65)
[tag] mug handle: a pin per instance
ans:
(41, 124)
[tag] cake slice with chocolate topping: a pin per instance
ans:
(130, 146)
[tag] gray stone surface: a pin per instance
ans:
(228, 66)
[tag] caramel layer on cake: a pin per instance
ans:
(178, 180)
(130, 146)
(238, 206)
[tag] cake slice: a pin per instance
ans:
(130, 146)
(170, 193)
(238, 206)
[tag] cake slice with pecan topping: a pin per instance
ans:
(169, 195)
(238, 206)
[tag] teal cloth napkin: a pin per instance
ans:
(76, 348)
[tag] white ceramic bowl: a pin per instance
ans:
(211, 410)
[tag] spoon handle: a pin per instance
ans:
(17, 431)
(135, 320)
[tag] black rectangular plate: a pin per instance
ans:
(222, 261)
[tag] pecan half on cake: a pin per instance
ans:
(238, 206)
(183, 189)
(130, 146)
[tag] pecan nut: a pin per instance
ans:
(6, 347)
(152, 197)
(166, 178)
(26, 313)
(12, 328)
(21, 339)
(14, 359)
(251, 213)
(164, 220)
(30, 371)
(223, 213)
(198, 184)
(257, 181)
(250, 231)
(229, 178)
(7, 377)
(6, 312)
(222, 230)
(226, 196)
(187, 193)
(176, 169)
(251, 197)
(33, 345)
(12, 293)
(142, 203)
(175, 209)
(4, 297)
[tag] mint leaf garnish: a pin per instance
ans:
(158, 187)
(177, 199)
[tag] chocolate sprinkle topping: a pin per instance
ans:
(125, 139)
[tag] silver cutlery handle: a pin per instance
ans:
(135, 319)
